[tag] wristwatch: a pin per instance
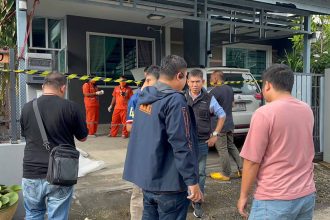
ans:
(214, 133)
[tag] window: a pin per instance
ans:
(112, 56)
(46, 33)
(256, 58)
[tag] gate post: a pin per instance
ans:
(326, 155)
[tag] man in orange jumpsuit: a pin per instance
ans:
(121, 94)
(92, 105)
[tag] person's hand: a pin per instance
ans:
(110, 108)
(195, 193)
(211, 141)
(99, 92)
(241, 205)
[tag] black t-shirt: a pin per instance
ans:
(225, 96)
(63, 120)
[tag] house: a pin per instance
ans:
(108, 38)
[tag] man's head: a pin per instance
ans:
(55, 83)
(173, 71)
(195, 81)
(92, 81)
(217, 77)
(122, 82)
(277, 79)
(152, 75)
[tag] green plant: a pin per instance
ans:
(294, 60)
(8, 195)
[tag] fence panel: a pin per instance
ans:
(309, 88)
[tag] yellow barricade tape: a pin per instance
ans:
(72, 76)
(84, 77)
(97, 78)
(107, 80)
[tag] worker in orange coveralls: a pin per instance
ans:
(121, 94)
(92, 105)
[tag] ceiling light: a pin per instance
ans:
(155, 17)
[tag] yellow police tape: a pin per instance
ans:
(107, 80)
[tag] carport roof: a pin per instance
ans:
(266, 19)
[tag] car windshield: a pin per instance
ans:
(236, 81)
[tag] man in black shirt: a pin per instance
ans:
(63, 120)
(225, 145)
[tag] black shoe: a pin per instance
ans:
(198, 211)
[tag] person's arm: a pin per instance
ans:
(130, 112)
(87, 92)
(250, 171)
(253, 151)
(113, 101)
(178, 131)
(80, 130)
(216, 109)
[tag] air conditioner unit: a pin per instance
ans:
(38, 61)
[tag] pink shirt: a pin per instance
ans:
(281, 140)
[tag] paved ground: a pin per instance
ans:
(104, 195)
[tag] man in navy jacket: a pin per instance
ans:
(161, 155)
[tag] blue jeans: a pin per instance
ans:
(297, 209)
(202, 157)
(172, 206)
(40, 196)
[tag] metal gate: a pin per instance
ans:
(310, 89)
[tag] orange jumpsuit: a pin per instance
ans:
(92, 107)
(122, 95)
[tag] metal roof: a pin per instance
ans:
(264, 19)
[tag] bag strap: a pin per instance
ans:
(40, 125)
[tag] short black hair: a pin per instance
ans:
(171, 65)
(196, 72)
(123, 77)
(220, 74)
(280, 76)
(153, 70)
(55, 79)
(146, 68)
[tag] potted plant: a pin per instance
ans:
(8, 201)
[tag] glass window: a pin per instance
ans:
(114, 56)
(39, 32)
(255, 60)
(244, 88)
(96, 55)
(129, 55)
(145, 53)
(54, 33)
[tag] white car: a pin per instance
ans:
(247, 95)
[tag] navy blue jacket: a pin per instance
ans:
(162, 151)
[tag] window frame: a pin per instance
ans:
(266, 48)
(122, 37)
(63, 39)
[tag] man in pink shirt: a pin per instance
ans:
(278, 153)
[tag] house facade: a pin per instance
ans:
(108, 38)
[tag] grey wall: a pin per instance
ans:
(77, 56)
(11, 170)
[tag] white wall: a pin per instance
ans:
(11, 170)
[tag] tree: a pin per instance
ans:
(320, 50)
(8, 24)
(7, 40)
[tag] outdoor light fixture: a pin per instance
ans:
(155, 17)
(22, 5)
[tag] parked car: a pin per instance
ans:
(247, 95)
